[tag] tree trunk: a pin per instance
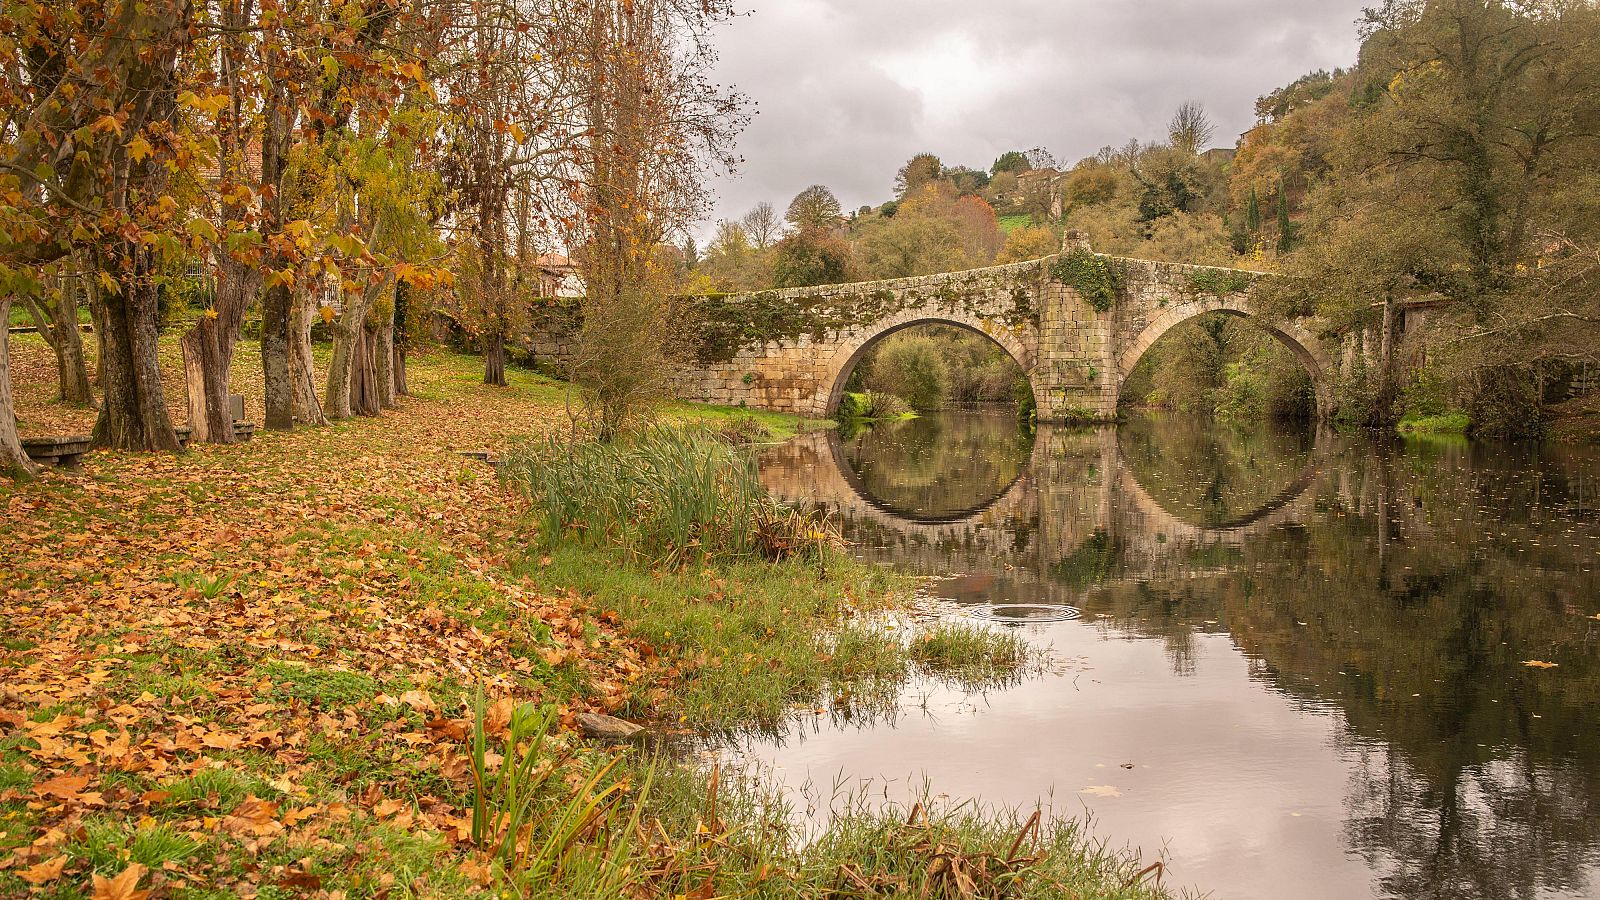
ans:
(347, 337)
(307, 409)
(401, 389)
(58, 325)
(13, 460)
(275, 367)
(364, 383)
(208, 353)
(401, 336)
(383, 359)
(205, 373)
(494, 361)
(134, 414)
(71, 368)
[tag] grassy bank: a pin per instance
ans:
(253, 671)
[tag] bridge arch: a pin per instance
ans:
(1305, 345)
(1018, 342)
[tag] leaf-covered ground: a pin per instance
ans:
(240, 670)
(246, 671)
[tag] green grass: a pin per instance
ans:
(324, 687)
(774, 427)
(20, 317)
(751, 640)
(971, 655)
(666, 496)
(1009, 224)
(1453, 422)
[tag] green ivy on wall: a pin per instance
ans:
(1097, 279)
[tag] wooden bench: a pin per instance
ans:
(57, 451)
(64, 451)
(242, 431)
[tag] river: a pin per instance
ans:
(1302, 667)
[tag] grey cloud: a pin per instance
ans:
(847, 91)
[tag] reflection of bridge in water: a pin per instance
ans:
(1077, 501)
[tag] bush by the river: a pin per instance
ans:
(872, 405)
(664, 496)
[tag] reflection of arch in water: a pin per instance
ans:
(1017, 342)
(853, 479)
(816, 470)
(1287, 502)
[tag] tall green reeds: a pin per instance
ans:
(556, 825)
(666, 496)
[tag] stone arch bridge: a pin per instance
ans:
(792, 350)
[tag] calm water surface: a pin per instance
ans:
(1300, 670)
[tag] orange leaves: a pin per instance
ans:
(105, 124)
(44, 872)
(67, 788)
(122, 887)
(334, 541)
(253, 817)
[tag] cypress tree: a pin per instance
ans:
(1285, 227)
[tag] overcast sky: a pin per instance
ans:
(845, 91)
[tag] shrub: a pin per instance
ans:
(665, 496)
(913, 368)
(870, 405)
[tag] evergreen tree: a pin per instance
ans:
(1285, 227)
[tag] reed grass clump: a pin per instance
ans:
(666, 496)
(753, 844)
(972, 656)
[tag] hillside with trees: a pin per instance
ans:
(1453, 165)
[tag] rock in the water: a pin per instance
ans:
(607, 728)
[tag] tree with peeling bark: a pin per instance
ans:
(510, 133)
(391, 206)
(312, 99)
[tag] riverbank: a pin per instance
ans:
(250, 670)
